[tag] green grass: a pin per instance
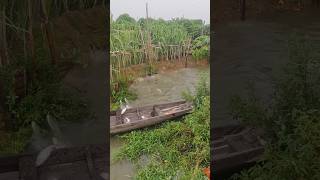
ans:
(14, 142)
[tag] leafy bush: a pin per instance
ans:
(200, 47)
(14, 142)
(119, 92)
(295, 155)
(202, 90)
(150, 69)
(292, 120)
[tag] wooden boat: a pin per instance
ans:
(82, 163)
(140, 117)
(235, 147)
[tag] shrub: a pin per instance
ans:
(292, 120)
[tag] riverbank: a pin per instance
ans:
(166, 86)
(138, 72)
(153, 152)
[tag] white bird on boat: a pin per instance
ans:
(124, 107)
(127, 103)
(57, 142)
(44, 154)
(126, 120)
(39, 139)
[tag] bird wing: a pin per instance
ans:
(123, 110)
(54, 126)
(44, 155)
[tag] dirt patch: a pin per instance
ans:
(163, 66)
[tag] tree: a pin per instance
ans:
(125, 18)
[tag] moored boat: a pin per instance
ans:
(235, 147)
(141, 117)
(83, 163)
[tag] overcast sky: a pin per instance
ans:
(166, 9)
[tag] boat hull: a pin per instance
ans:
(179, 109)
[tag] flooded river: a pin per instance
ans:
(159, 88)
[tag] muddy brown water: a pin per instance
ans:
(254, 50)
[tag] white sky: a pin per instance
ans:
(166, 9)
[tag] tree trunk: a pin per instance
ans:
(47, 32)
(30, 41)
(65, 2)
(3, 39)
(243, 10)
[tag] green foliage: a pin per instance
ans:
(150, 69)
(125, 18)
(174, 150)
(57, 101)
(129, 46)
(294, 155)
(202, 90)
(15, 142)
(292, 121)
(120, 93)
(129, 41)
(200, 47)
(250, 111)
(195, 28)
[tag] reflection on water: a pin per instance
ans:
(159, 88)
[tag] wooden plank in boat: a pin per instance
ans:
(145, 123)
(84, 161)
(231, 160)
(162, 105)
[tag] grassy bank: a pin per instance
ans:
(174, 149)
